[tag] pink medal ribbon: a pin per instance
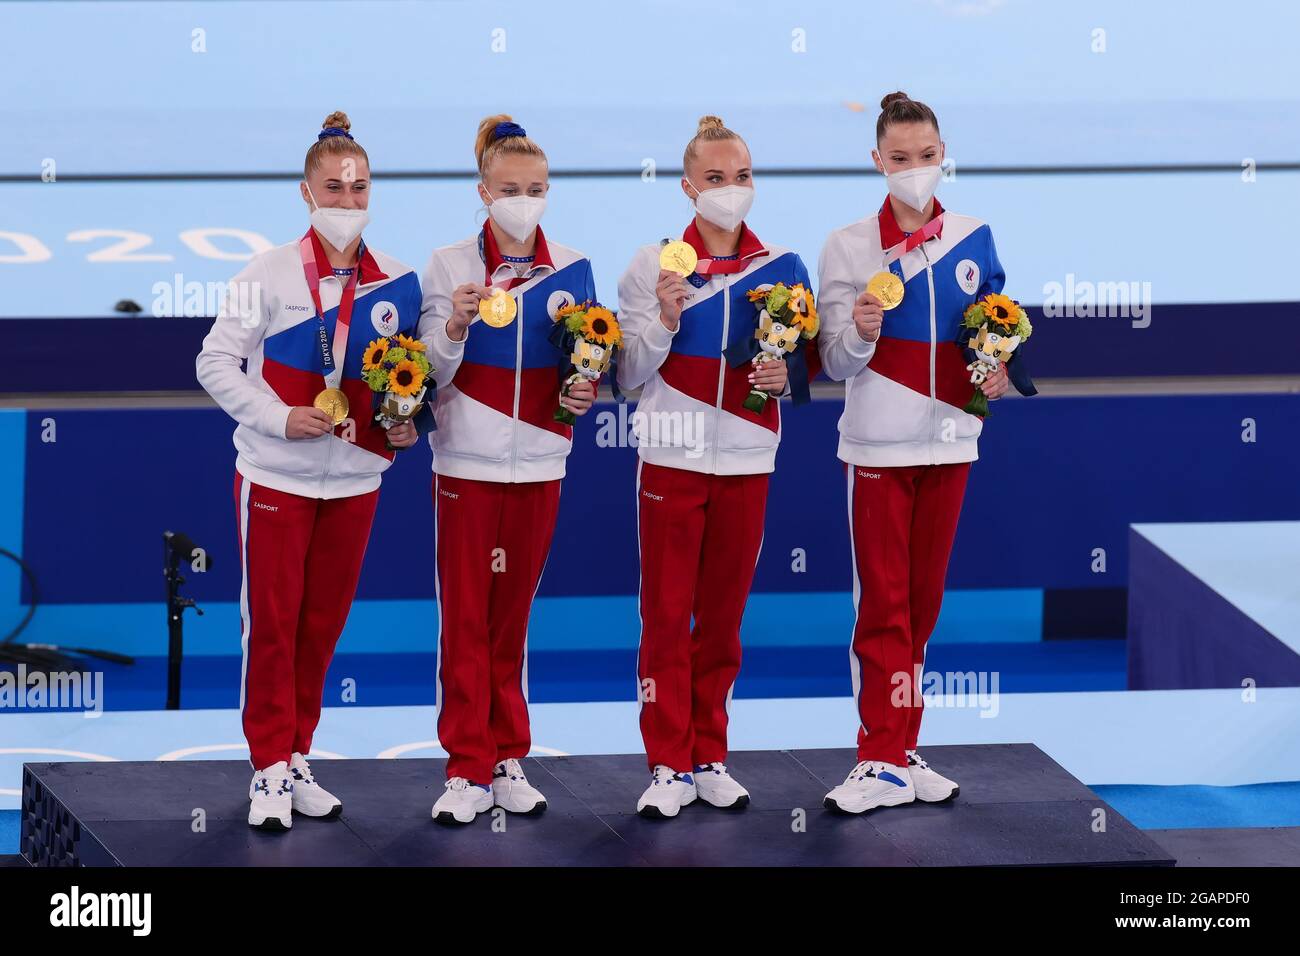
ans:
(928, 231)
(342, 323)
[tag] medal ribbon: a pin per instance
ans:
(928, 231)
(342, 322)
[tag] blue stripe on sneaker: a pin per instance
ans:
(891, 778)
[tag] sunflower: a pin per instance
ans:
(375, 352)
(405, 379)
(411, 345)
(810, 322)
(1002, 310)
(568, 310)
(600, 326)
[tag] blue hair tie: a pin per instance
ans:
(329, 131)
(504, 130)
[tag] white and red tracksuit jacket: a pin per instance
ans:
(498, 460)
(304, 506)
(498, 389)
(905, 391)
(683, 374)
(269, 320)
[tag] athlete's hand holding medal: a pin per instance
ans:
(306, 421)
(884, 291)
(677, 260)
(474, 299)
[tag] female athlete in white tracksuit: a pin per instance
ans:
(905, 440)
(301, 315)
(703, 474)
(498, 458)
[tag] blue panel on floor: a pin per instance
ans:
(1005, 615)
(609, 674)
(9, 831)
(1253, 805)
(593, 675)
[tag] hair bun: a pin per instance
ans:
(710, 122)
(338, 120)
(897, 97)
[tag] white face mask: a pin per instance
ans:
(915, 186)
(517, 215)
(724, 206)
(338, 227)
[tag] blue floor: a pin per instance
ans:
(9, 831)
(1164, 808)
(563, 676)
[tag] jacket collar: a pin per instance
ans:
(891, 234)
(749, 247)
(493, 261)
(368, 269)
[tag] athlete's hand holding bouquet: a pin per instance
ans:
(398, 372)
(588, 335)
(787, 317)
(993, 328)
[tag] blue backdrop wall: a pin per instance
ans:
(1058, 479)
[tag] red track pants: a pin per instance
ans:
(700, 537)
(492, 541)
(301, 560)
(902, 523)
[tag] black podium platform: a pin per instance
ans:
(1017, 807)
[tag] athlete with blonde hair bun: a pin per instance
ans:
(702, 486)
(498, 460)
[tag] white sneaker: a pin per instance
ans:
(511, 790)
(462, 802)
(270, 798)
(668, 792)
(871, 784)
(930, 786)
(717, 787)
(310, 798)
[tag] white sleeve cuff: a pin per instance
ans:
(274, 419)
(657, 336)
(854, 344)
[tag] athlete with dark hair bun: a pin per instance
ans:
(893, 288)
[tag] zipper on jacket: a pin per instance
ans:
(934, 341)
(519, 366)
(722, 366)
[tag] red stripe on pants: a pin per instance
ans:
(700, 537)
(492, 542)
(902, 521)
(301, 560)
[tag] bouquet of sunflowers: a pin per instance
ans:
(994, 327)
(787, 317)
(397, 369)
(589, 334)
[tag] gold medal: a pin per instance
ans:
(498, 309)
(679, 257)
(886, 287)
(333, 403)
